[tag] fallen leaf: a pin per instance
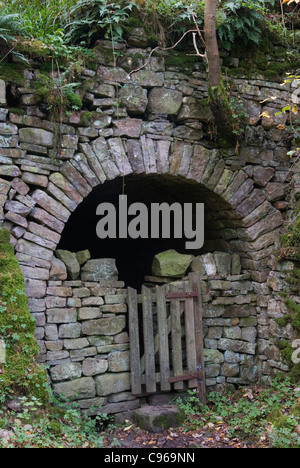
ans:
(128, 428)
(266, 115)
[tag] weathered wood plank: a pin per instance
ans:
(182, 378)
(201, 387)
(176, 340)
(136, 382)
(169, 328)
(190, 339)
(164, 357)
(148, 340)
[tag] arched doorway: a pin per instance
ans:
(135, 256)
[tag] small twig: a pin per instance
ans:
(166, 49)
(8, 53)
(198, 29)
(196, 47)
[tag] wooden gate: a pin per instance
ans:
(172, 338)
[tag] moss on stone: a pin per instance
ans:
(22, 373)
(282, 322)
(34, 48)
(287, 352)
(12, 73)
(17, 111)
(74, 101)
(165, 421)
(180, 61)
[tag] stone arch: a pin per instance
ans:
(248, 221)
(44, 192)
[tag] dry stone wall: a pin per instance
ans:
(83, 338)
(153, 121)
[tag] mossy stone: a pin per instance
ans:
(71, 262)
(157, 419)
(22, 374)
(171, 264)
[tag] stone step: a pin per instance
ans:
(157, 419)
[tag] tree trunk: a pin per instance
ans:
(218, 99)
(213, 56)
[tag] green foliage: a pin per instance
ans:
(174, 16)
(92, 18)
(250, 415)
(242, 21)
(9, 25)
(22, 373)
(60, 425)
(39, 19)
(57, 92)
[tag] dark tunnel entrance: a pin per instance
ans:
(135, 256)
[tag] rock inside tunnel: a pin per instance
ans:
(135, 256)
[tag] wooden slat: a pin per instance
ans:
(156, 338)
(136, 382)
(176, 340)
(181, 295)
(148, 340)
(182, 378)
(190, 339)
(195, 283)
(164, 357)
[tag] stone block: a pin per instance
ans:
(35, 289)
(81, 354)
(102, 269)
(249, 334)
(107, 384)
(212, 370)
(157, 419)
(164, 101)
(171, 264)
(77, 343)
(134, 98)
(230, 370)
(81, 292)
(3, 101)
(36, 136)
(236, 346)
(70, 330)
(209, 264)
(89, 313)
(58, 270)
(104, 326)
(83, 256)
(212, 356)
(248, 322)
(119, 361)
(71, 263)
(223, 263)
(68, 371)
(78, 389)
(95, 366)
(233, 333)
(61, 316)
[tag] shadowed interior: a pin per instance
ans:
(135, 256)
